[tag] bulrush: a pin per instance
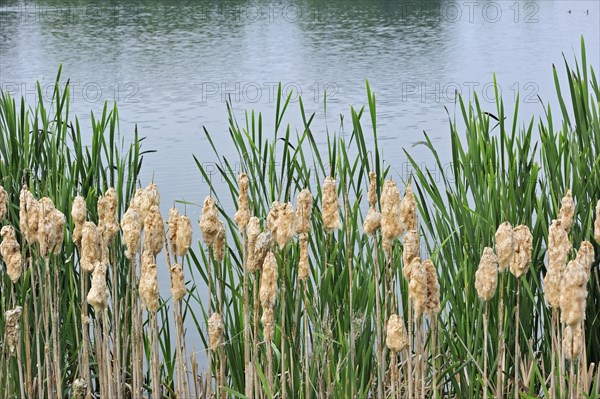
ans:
(78, 213)
(486, 276)
(432, 302)
(567, 210)
(559, 247)
(521, 259)
(184, 235)
(148, 287)
(261, 249)
(303, 263)
(131, 224)
(215, 331)
(417, 287)
(331, 205)
(396, 339)
(268, 321)
(98, 294)
(505, 245)
(177, 282)
(597, 224)
(29, 215)
(145, 199)
(572, 340)
(219, 243)
(408, 210)
(209, 221)
(51, 228)
(273, 218)
(11, 253)
(13, 328)
(286, 224)
(303, 212)
(172, 223)
(410, 250)
(253, 232)
(573, 293)
(154, 231)
(90, 247)
(372, 222)
(391, 228)
(268, 282)
(3, 202)
(242, 216)
(586, 255)
(107, 215)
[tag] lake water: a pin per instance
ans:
(171, 65)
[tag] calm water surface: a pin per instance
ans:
(171, 65)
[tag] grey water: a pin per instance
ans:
(170, 66)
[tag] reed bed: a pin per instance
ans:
(332, 278)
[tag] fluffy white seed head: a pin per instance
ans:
(432, 301)
(331, 205)
(242, 216)
(396, 339)
(209, 221)
(154, 231)
(411, 248)
(3, 202)
(521, 259)
(567, 211)
(303, 211)
(573, 293)
(268, 282)
(131, 224)
(303, 264)
(91, 251)
(13, 329)
(215, 331)
(408, 210)
(98, 294)
(486, 276)
(417, 287)
(11, 253)
(505, 245)
(177, 282)
(391, 226)
(148, 286)
(78, 213)
(572, 341)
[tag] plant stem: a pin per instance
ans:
(485, 350)
(500, 360)
(517, 355)
(380, 356)
(283, 376)
(248, 366)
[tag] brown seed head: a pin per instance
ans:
(586, 255)
(567, 210)
(209, 221)
(131, 224)
(331, 205)
(13, 329)
(242, 216)
(505, 245)
(432, 303)
(172, 222)
(396, 339)
(261, 249)
(11, 253)
(303, 211)
(391, 226)
(372, 193)
(91, 252)
(572, 341)
(98, 294)
(410, 251)
(519, 264)
(559, 247)
(78, 213)
(107, 215)
(154, 235)
(177, 282)
(408, 210)
(184, 235)
(148, 287)
(253, 232)
(417, 287)
(215, 331)
(268, 282)
(268, 321)
(372, 222)
(286, 224)
(486, 276)
(573, 293)
(303, 264)
(220, 243)
(3, 202)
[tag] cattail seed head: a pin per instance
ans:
(505, 245)
(396, 339)
(148, 287)
(586, 255)
(372, 193)
(11, 253)
(303, 211)
(411, 248)
(286, 224)
(177, 282)
(331, 205)
(303, 264)
(209, 221)
(572, 341)
(13, 329)
(184, 235)
(519, 264)
(432, 303)
(597, 224)
(215, 331)
(253, 232)
(219, 243)
(29, 213)
(91, 252)
(559, 247)
(268, 282)
(98, 294)
(3, 202)
(273, 217)
(567, 210)
(131, 224)
(268, 322)
(417, 287)
(372, 222)
(79, 388)
(408, 210)
(154, 235)
(242, 216)
(573, 293)
(391, 227)
(78, 213)
(486, 276)
(261, 249)
(46, 233)
(107, 215)
(172, 232)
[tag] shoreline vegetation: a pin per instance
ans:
(333, 278)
